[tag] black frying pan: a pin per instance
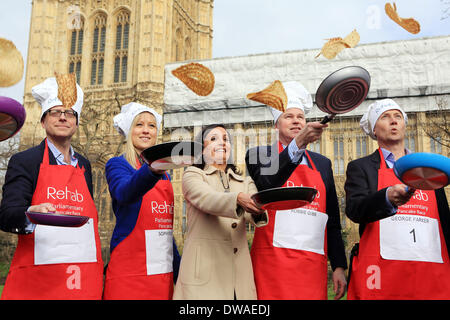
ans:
(284, 198)
(342, 91)
(172, 155)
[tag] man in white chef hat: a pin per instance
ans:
(399, 227)
(61, 100)
(51, 262)
(290, 254)
(384, 121)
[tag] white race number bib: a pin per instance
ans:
(159, 251)
(300, 229)
(410, 238)
(54, 245)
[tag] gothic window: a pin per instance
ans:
(76, 48)
(121, 47)
(314, 146)
(410, 142)
(98, 50)
(436, 144)
(342, 209)
(188, 49)
(178, 45)
(361, 146)
(339, 155)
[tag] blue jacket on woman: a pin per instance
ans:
(127, 187)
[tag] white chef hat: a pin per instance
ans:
(374, 111)
(46, 94)
(123, 121)
(297, 97)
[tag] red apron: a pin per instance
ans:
(141, 267)
(289, 255)
(59, 262)
(403, 256)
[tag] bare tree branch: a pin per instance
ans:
(438, 126)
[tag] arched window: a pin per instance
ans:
(98, 50)
(410, 141)
(178, 45)
(76, 48)
(188, 49)
(121, 48)
(338, 155)
(436, 144)
(361, 146)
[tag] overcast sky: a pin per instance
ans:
(243, 27)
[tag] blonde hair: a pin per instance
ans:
(131, 155)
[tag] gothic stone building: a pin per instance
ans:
(118, 50)
(124, 50)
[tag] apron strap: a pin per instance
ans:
(280, 147)
(382, 160)
(310, 161)
(138, 163)
(45, 158)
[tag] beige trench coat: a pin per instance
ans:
(216, 259)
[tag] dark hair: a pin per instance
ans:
(200, 138)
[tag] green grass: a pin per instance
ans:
(331, 293)
(4, 267)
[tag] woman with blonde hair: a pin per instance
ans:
(144, 257)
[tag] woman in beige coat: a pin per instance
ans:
(216, 261)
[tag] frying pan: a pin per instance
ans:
(172, 155)
(342, 91)
(56, 219)
(284, 198)
(422, 170)
(12, 117)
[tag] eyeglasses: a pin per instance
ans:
(69, 114)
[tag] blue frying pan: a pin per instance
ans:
(426, 171)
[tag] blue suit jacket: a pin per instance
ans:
(20, 184)
(259, 159)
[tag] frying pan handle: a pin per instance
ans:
(328, 118)
(410, 190)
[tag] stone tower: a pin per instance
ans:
(118, 50)
(112, 44)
